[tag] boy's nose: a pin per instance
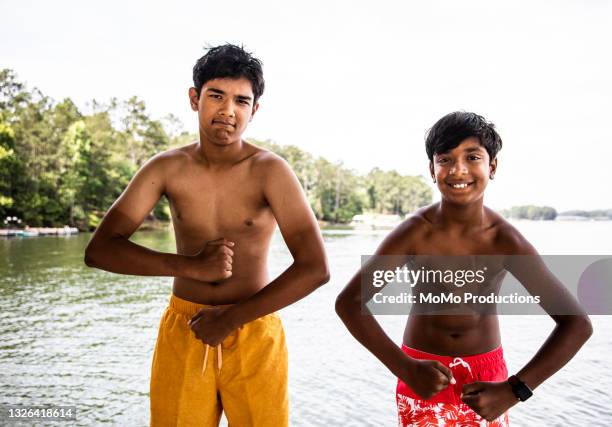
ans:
(458, 169)
(227, 110)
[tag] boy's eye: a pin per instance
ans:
(214, 95)
(442, 160)
(473, 158)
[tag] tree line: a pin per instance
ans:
(530, 212)
(60, 166)
(337, 193)
(594, 214)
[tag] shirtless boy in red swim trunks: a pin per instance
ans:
(451, 369)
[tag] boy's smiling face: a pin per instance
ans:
(462, 174)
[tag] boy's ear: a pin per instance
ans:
(492, 168)
(193, 98)
(431, 171)
(255, 108)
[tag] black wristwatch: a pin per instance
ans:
(519, 388)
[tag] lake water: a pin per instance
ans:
(71, 335)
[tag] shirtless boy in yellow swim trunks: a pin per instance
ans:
(220, 345)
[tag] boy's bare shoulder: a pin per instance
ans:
(406, 236)
(173, 159)
(263, 157)
(266, 163)
(508, 240)
(419, 221)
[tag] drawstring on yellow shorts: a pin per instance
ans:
(219, 358)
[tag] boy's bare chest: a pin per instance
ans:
(439, 243)
(210, 207)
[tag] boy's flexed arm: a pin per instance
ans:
(308, 271)
(110, 248)
(572, 330)
(426, 377)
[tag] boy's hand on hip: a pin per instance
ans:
(212, 325)
(489, 399)
(427, 377)
(213, 262)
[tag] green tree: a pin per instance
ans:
(144, 137)
(8, 163)
(391, 193)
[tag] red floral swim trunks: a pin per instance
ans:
(446, 408)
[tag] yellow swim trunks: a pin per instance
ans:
(245, 376)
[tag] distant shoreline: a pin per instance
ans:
(161, 225)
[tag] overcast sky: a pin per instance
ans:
(358, 82)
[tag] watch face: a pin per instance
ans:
(523, 392)
(519, 388)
